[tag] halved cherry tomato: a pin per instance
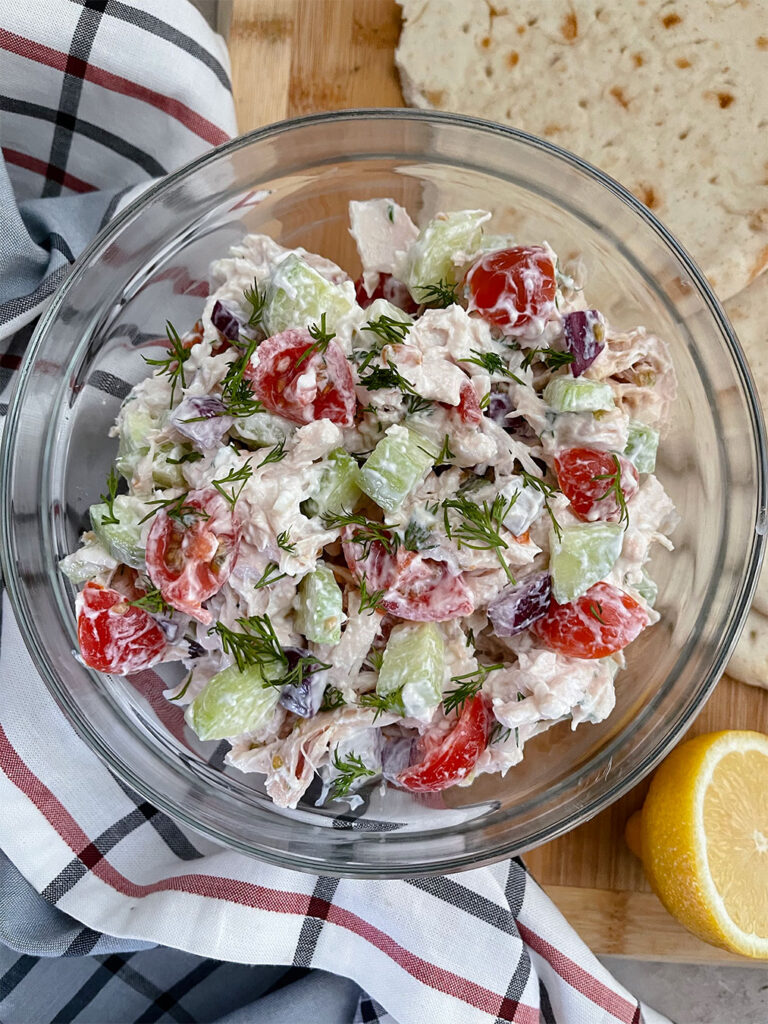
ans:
(113, 635)
(601, 622)
(512, 287)
(190, 558)
(388, 288)
(451, 757)
(304, 387)
(588, 479)
(417, 588)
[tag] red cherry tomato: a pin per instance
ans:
(191, 560)
(469, 407)
(388, 288)
(304, 388)
(451, 756)
(512, 287)
(113, 635)
(600, 623)
(587, 478)
(417, 589)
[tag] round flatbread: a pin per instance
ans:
(667, 97)
(747, 314)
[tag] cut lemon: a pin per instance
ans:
(703, 838)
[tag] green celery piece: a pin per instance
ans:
(642, 445)
(414, 663)
(339, 486)
(396, 465)
(647, 588)
(122, 539)
(232, 702)
(320, 607)
(135, 426)
(430, 258)
(569, 394)
(585, 554)
(298, 296)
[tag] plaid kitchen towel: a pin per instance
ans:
(110, 911)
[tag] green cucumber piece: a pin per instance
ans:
(298, 296)
(339, 487)
(430, 258)
(123, 538)
(647, 588)
(414, 664)
(320, 611)
(569, 394)
(584, 555)
(169, 474)
(262, 430)
(400, 460)
(642, 445)
(232, 702)
(88, 561)
(135, 428)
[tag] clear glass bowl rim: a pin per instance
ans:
(740, 607)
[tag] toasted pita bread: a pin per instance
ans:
(669, 96)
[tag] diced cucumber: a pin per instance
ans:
(642, 445)
(526, 508)
(399, 461)
(167, 473)
(298, 296)
(585, 554)
(232, 702)
(135, 427)
(123, 538)
(320, 610)
(568, 394)
(414, 662)
(647, 588)
(430, 258)
(339, 486)
(262, 430)
(88, 561)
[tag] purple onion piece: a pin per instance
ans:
(498, 406)
(518, 607)
(303, 700)
(584, 338)
(225, 322)
(397, 754)
(199, 417)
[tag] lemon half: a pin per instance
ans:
(704, 838)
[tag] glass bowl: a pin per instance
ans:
(293, 181)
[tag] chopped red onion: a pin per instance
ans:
(499, 405)
(225, 321)
(584, 338)
(518, 607)
(303, 700)
(397, 755)
(199, 417)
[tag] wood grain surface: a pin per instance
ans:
(292, 57)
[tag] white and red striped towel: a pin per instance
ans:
(98, 96)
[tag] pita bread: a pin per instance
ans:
(668, 96)
(749, 662)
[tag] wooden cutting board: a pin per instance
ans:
(292, 57)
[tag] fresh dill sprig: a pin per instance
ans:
(368, 530)
(596, 611)
(470, 641)
(323, 337)
(173, 364)
(234, 476)
(529, 480)
(236, 391)
(388, 330)
(417, 537)
(468, 686)
(257, 301)
(445, 454)
(284, 542)
(499, 733)
(274, 454)
(374, 659)
(415, 403)
(479, 525)
(384, 703)
(113, 482)
(493, 363)
(350, 771)
(257, 644)
(485, 401)
(297, 669)
(440, 295)
(388, 377)
(184, 688)
(333, 698)
(551, 357)
(614, 487)
(176, 509)
(369, 599)
(271, 574)
(152, 601)
(186, 457)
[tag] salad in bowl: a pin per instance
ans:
(392, 528)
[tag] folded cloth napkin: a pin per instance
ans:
(109, 910)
